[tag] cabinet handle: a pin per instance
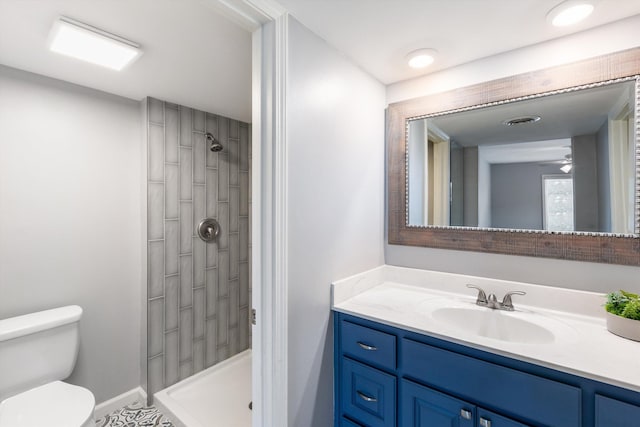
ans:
(485, 422)
(367, 347)
(365, 397)
(467, 415)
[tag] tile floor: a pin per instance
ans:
(135, 415)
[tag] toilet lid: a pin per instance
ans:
(56, 404)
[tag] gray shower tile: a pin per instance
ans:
(198, 356)
(186, 171)
(171, 247)
(244, 239)
(156, 375)
(171, 292)
(223, 219)
(156, 269)
(212, 292)
(234, 303)
(234, 341)
(198, 262)
(186, 126)
(234, 256)
(243, 329)
(155, 110)
(223, 129)
(212, 159)
(244, 149)
(223, 321)
(171, 361)
(186, 334)
(156, 327)
(186, 228)
(186, 281)
(212, 124)
(234, 208)
(156, 153)
(233, 161)
(223, 352)
(198, 313)
(223, 176)
(248, 139)
(211, 339)
(199, 207)
(198, 121)
(234, 130)
(171, 132)
(212, 255)
(212, 192)
(244, 284)
(199, 158)
(186, 369)
(244, 194)
(223, 274)
(171, 192)
(155, 211)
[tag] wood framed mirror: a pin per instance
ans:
(599, 227)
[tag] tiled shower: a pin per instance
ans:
(198, 294)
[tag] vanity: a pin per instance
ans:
(412, 348)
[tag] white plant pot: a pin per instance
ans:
(621, 326)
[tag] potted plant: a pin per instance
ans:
(623, 314)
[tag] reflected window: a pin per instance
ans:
(557, 196)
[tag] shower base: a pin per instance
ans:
(216, 397)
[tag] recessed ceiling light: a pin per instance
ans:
(82, 41)
(570, 12)
(421, 58)
(521, 120)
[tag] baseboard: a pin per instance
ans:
(135, 395)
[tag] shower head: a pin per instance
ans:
(215, 145)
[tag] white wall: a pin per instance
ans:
(571, 274)
(70, 209)
(335, 139)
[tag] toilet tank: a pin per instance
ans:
(38, 348)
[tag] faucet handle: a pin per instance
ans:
(482, 297)
(507, 304)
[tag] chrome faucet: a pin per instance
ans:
(492, 301)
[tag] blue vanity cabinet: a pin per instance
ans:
(387, 377)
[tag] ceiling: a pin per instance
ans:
(377, 34)
(192, 55)
(195, 56)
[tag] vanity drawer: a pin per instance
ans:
(513, 392)
(369, 345)
(345, 422)
(614, 413)
(368, 395)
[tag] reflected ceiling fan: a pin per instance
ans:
(567, 163)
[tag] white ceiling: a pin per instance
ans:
(192, 55)
(377, 34)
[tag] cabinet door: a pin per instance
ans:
(423, 407)
(491, 419)
(614, 413)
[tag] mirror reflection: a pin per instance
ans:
(562, 162)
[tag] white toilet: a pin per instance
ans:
(37, 351)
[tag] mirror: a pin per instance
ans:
(562, 162)
(562, 186)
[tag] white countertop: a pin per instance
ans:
(403, 297)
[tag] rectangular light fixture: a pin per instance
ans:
(82, 41)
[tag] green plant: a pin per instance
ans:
(623, 304)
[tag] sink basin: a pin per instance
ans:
(515, 327)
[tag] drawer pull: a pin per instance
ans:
(367, 347)
(467, 415)
(485, 422)
(365, 397)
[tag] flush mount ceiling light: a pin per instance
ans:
(421, 58)
(521, 120)
(570, 12)
(82, 41)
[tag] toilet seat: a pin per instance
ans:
(55, 404)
